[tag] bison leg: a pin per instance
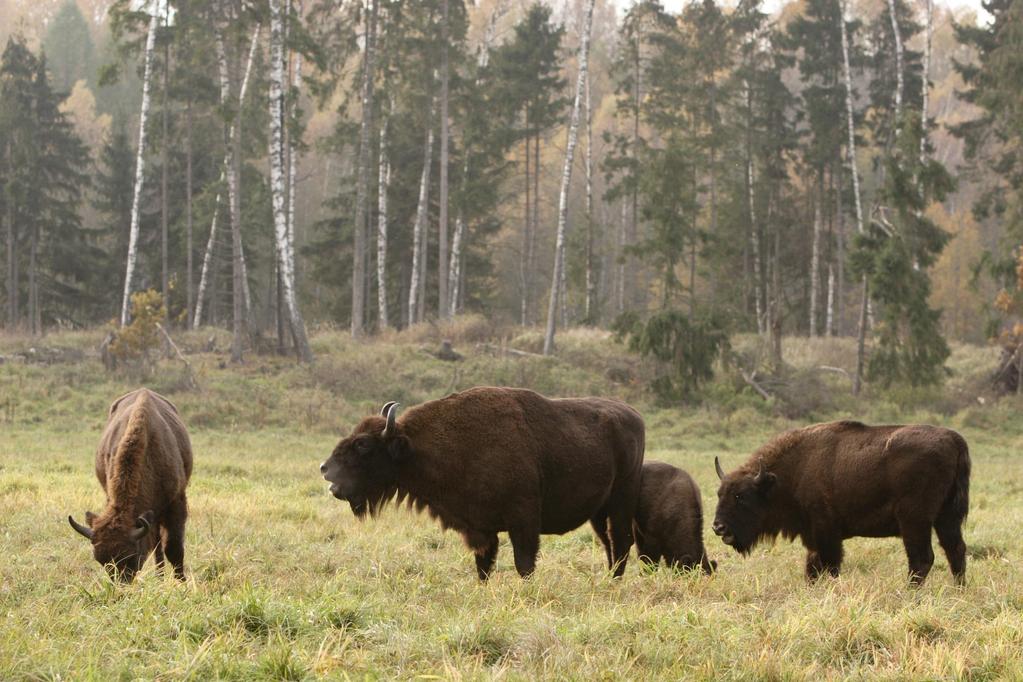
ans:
(950, 536)
(599, 523)
(174, 545)
(525, 546)
(486, 555)
(916, 538)
(620, 524)
(826, 558)
(158, 550)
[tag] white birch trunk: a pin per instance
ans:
(815, 259)
(277, 181)
(384, 183)
(829, 316)
(362, 180)
(591, 280)
(210, 243)
(442, 227)
(566, 179)
(293, 168)
(754, 228)
(455, 271)
(136, 202)
(899, 77)
(200, 297)
(865, 308)
(418, 231)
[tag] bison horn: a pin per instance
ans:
(142, 527)
(83, 530)
(760, 473)
(392, 411)
(717, 467)
(387, 406)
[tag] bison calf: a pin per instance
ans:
(489, 460)
(829, 482)
(669, 519)
(143, 462)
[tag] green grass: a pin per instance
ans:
(284, 583)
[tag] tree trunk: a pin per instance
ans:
(442, 229)
(455, 270)
(292, 157)
(754, 227)
(899, 69)
(136, 203)
(189, 250)
(207, 263)
(33, 281)
(829, 317)
(277, 181)
(523, 255)
(362, 179)
(566, 179)
(861, 338)
(591, 279)
(383, 185)
(815, 259)
(12, 263)
(165, 143)
(851, 151)
(928, 32)
(416, 287)
(233, 168)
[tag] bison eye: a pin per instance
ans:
(362, 447)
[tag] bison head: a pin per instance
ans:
(742, 504)
(120, 547)
(363, 468)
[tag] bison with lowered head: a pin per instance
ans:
(488, 460)
(143, 462)
(669, 519)
(829, 482)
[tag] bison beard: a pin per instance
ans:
(829, 482)
(491, 460)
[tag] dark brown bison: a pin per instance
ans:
(143, 462)
(829, 482)
(489, 460)
(669, 519)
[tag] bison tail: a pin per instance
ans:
(958, 502)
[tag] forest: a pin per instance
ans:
(830, 168)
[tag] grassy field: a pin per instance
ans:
(284, 583)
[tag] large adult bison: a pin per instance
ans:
(143, 462)
(829, 482)
(669, 519)
(488, 460)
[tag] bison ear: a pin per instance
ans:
(90, 518)
(765, 480)
(400, 448)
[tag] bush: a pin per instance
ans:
(132, 346)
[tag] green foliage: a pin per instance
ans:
(686, 347)
(68, 48)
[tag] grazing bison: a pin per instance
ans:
(829, 482)
(143, 462)
(488, 460)
(669, 519)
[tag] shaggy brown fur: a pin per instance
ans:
(489, 460)
(143, 462)
(669, 519)
(828, 482)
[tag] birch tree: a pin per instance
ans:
(207, 261)
(277, 183)
(140, 165)
(442, 227)
(861, 332)
(419, 229)
(362, 179)
(591, 279)
(383, 185)
(566, 180)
